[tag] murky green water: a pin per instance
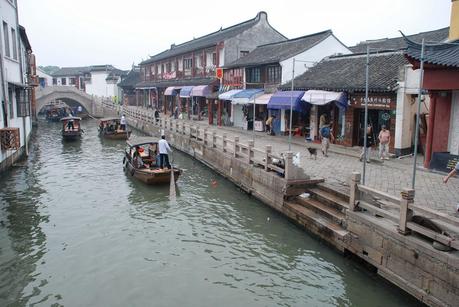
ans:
(76, 231)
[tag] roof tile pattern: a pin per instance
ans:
(347, 73)
(446, 54)
(276, 52)
(398, 43)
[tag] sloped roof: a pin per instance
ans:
(206, 40)
(398, 43)
(70, 71)
(276, 52)
(24, 38)
(345, 73)
(132, 78)
(446, 54)
(183, 82)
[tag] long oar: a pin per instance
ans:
(172, 192)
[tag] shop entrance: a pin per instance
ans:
(376, 118)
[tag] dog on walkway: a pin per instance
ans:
(312, 152)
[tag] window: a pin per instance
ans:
(13, 39)
(72, 81)
(168, 67)
(54, 81)
(214, 58)
(253, 75)
(152, 70)
(22, 102)
(7, 39)
(64, 81)
(243, 53)
(10, 102)
(187, 63)
(274, 74)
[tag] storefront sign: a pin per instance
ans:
(382, 102)
(169, 75)
(258, 125)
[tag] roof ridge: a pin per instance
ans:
(297, 38)
(218, 31)
(395, 37)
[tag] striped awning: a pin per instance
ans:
(228, 95)
(185, 92)
(246, 96)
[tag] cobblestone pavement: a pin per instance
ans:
(389, 176)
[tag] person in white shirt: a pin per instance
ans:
(123, 122)
(164, 150)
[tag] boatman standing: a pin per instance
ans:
(123, 123)
(164, 150)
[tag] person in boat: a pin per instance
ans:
(123, 122)
(70, 126)
(137, 158)
(164, 150)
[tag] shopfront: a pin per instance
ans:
(381, 111)
(243, 107)
(280, 105)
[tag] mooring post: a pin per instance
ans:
(268, 150)
(204, 137)
(250, 151)
(354, 196)
(405, 212)
(236, 145)
(224, 141)
(183, 128)
(288, 170)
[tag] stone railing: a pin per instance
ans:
(281, 163)
(400, 211)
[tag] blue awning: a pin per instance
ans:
(228, 95)
(246, 96)
(281, 101)
(185, 92)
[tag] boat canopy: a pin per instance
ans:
(141, 141)
(70, 118)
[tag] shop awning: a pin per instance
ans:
(201, 91)
(263, 99)
(228, 95)
(171, 90)
(185, 92)
(281, 100)
(321, 98)
(246, 96)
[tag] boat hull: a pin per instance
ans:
(152, 177)
(117, 135)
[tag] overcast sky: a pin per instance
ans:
(120, 32)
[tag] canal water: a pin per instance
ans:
(76, 231)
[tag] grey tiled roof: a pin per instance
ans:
(276, 52)
(183, 82)
(446, 54)
(206, 40)
(347, 73)
(70, 71)
(398, 43)
(132, 78)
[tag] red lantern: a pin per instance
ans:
(219, 72)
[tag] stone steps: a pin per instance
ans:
(332, 200)
(323, 209)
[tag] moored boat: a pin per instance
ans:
(71, 128)
(140, 161)
(111, 128)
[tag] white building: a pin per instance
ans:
(17, 76)
(44, 79)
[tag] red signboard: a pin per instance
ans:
(219, 73)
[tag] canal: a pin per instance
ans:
(76, 231)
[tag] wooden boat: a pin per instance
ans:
(147, 170)
(71, 128)
(110, 128)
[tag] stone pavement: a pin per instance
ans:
(389, 176)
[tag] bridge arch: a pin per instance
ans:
(68, 94)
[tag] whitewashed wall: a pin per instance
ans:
(308, 58)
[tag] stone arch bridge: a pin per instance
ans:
(71, 96)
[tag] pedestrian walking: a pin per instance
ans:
(453, 172)
(384, 140)
(370, 142)
(269, 124)
(164, 150)
(325, 134)
(156, 115)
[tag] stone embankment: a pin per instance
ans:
(391, 233)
